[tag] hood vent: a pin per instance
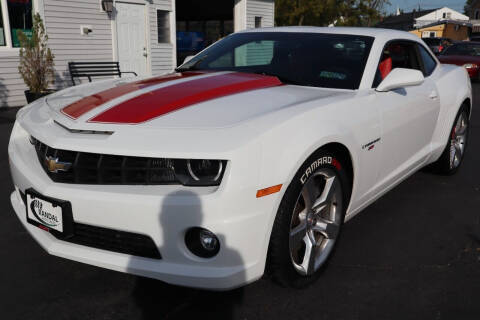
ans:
(84, 131)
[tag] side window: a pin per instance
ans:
(396, 54)
(429, 63)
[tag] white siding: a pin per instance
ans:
(63, 19)
(260, 8)
(161, 54)
(240, 15)
(11, 83)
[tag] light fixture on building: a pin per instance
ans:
(107, 6)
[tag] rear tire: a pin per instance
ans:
(308, 222)
(452, 157)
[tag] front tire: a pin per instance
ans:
(452, 157)
(308, 221)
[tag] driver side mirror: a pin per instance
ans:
(400, 78)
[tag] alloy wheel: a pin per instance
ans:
(316, 221)
(458, 141)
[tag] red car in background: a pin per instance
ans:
(438, 45)
(466, 54)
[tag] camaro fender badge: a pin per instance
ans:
(317, 163)
(369, 146)
(54, 165)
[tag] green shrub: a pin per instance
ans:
(36, 59)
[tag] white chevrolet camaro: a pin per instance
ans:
(246, 160)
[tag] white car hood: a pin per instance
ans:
(207, 128)
(218, 111)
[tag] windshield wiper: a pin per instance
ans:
(193, 66)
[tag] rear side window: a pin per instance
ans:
(429, 64)
(396, 54)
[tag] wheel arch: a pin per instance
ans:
(451, 100)
(345, 157)
(468, 103)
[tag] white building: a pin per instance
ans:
(141, 34)
(439, 15)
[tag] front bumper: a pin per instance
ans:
(164, 213)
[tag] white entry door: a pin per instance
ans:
(131, 37)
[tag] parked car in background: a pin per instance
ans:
(466, 54)
(438, 45)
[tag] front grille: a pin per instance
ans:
(95, 168)
(113, 240)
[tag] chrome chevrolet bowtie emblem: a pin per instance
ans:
(54, 165)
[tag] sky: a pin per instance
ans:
(409, 5)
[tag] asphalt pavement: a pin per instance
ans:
(414, 254)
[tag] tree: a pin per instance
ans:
(467, 7)
(325, 12)
(305, 12)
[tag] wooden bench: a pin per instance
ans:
(95, 69)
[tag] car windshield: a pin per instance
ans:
(463, 49)
(306, 59)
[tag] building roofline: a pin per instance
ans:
(436, 23)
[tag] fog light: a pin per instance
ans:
(208, 240)
(202, 242)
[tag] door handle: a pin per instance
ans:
(433, 95)
(145, 54)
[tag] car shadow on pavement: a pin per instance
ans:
(159, 300)
(8, 115)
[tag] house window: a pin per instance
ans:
(258, 22)
(3, 43)
(163, 24)
(429, 34)
(20, 16)
(477, 14)
(15, 15)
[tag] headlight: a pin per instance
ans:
(470, 66)
(210, 170)
(200, 172)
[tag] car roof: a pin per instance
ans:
(379, 33)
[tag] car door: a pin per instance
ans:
(409, 114)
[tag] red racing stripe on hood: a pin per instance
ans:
(172, 98)
(82, 106)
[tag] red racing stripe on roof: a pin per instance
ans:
(84, 105)
(175, 97)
